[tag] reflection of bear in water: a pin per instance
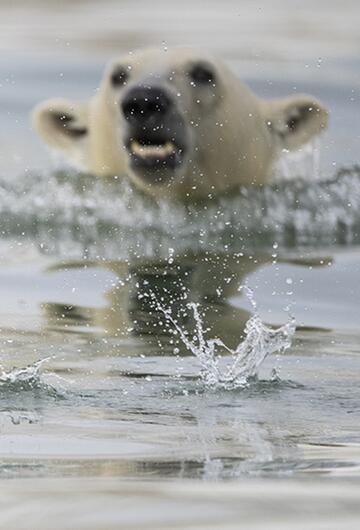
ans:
(211, 280)
(132, 310)
(179, 124)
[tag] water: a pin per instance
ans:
(245, 361)
(79, 216)
(120, 398)
(150, 372)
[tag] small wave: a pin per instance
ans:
(82, 216)
(240, 366)
(24, 379)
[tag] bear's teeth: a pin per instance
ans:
(152, 150)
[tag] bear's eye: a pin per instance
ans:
(202, 74)
(119, 76)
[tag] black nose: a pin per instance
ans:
(142, 104)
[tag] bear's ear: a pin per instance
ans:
(63, 124)
(296, 119)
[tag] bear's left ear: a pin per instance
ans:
(296, 119)
(63, 124)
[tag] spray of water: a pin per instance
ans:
(78, 216)
(24, 378)
(242, 364)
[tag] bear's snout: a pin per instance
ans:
(155, 137)
(145, 103)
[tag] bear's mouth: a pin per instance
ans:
(155, 154)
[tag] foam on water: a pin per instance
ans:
(80, 216)
(241, 365)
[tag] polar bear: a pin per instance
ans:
(179, 124)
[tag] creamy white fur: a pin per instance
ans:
(235, 136)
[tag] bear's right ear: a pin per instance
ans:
(63, 124)
(296, 119)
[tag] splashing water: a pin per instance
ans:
(237, 369)
(80, 216)
(27, 378)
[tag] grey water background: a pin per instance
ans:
(114, 429)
